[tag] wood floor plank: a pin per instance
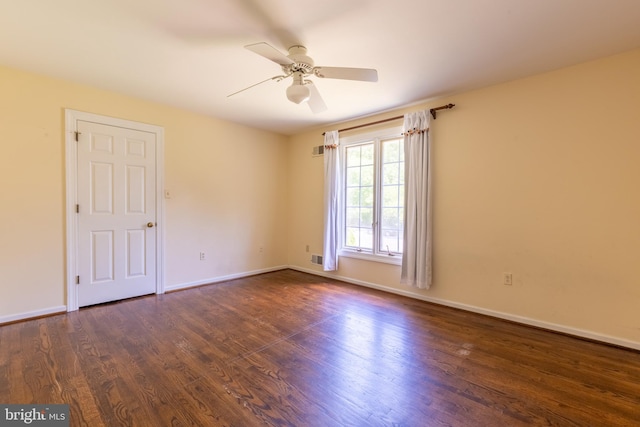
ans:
(293, 349)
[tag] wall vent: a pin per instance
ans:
(316, 259)
(318, 150)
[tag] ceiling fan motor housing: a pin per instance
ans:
(301, 62)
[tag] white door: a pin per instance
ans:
(116, 213)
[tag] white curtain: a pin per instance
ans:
(332, 192)
(416, 256)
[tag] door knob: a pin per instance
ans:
(149, 224)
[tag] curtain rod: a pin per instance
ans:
(432, 111)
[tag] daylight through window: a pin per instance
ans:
(374, 196)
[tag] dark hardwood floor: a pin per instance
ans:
(288, 348)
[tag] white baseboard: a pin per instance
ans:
(218, 279)
(506, 316)
(31, 314)
(498, 314)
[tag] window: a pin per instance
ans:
(373, 196)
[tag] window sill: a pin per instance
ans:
(385, 259)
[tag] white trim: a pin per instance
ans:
(71, 170)
(506, 316)
(219, 279)
(30, 315)
(61, 309)
(474, 309)
(395, 259)
(387, 133)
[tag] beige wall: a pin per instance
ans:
(228, 186)
(538, 177)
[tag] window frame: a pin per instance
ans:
(376, 137)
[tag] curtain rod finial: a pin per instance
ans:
(444, 107)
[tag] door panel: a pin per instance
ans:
(136, 250)
(116, 219)
(102, 256)
(101, 193)
(136, 190)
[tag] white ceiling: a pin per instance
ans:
(189, 53)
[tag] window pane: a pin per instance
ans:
(391, 210)
(366, 175)
(366, 196)
(353, 217)
(353, 156)
(390, 242)
(366, 217)
(361, 196)
(391, 151)
(391, 173)
(353, 197)
(392, 227)
(359, 237)
(352, 237)
(391, 218)
(367, 154)
(366, 238)
(390, 196)
(353, 177)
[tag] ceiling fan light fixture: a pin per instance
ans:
(298, 65)
(298, 93)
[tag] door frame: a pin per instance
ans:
(71, 148)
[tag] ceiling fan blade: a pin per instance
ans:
(264, 17)
(362, 74)
(316, 103)
(276, 78)
(271, 53)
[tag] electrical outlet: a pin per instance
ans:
(261, 249)
(307, 249)
(508, 279)
(202, 256)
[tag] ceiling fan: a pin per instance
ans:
(299, 67)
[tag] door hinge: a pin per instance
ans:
(77, 208)
(77, 280)
(77, 135)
